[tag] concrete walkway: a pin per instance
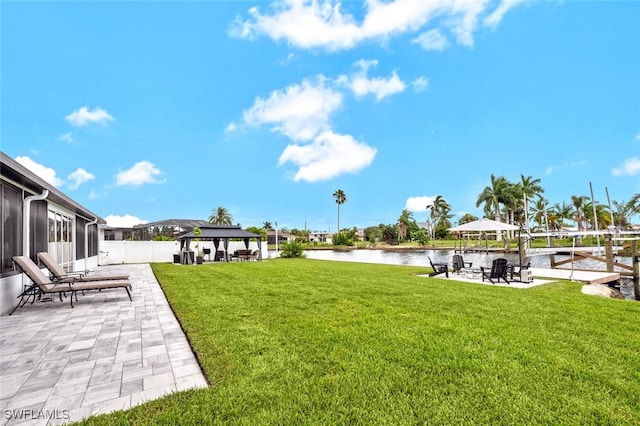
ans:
(59, 364)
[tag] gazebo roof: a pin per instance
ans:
(220, 231)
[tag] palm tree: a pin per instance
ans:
(341, 198)
(603, 217)
(537, 210)
(562, 212)
(267, 226)
(403, 223)
(220, 216)
(634, 204)
(621, 214)
(493, 195)
(530, 188)
(579, 203)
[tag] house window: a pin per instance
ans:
(61, 238)
(11, 229)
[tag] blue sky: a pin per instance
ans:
(144, 111)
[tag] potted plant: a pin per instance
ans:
(200, 256)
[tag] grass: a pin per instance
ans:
(297, 341)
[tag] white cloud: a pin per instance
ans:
(231, 127)
(420, 84)
(84, 116)
(303, 112)
(496, 16)
(300, 112)
(630, 167)
(126, 221)
(66, 137)
(638, 137)
(140, 173)
(362, 85)
(328, 156)
(418, 204)
(46, 173)
(548, 171)
(431, 40)
(290, 57)
(323, 23)
(79, 177)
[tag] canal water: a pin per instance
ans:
(419, 258)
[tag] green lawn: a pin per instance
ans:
(297, 341)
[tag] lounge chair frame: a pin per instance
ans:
(58, 274)
(43, 285)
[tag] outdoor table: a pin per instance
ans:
(473, 273)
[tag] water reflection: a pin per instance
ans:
(419, 258)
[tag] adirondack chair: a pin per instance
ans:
(459, 264)
(497, 272)
(438, 268)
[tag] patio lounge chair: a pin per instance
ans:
(59, 275)
(438, 268)
(43, 284)
(498, 271)
(459, 264)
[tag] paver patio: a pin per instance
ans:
(59, 364)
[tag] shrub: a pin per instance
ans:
(342, 239)
(292, 249)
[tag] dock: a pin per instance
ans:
(588, 277)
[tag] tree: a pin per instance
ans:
(494, 195)
(267, 226)
(603, 217)
(403, 224)
(538, 212)
(579, 203)
(562, 212)
(259, 231)
(221, 216)
(389, 233)
(341, 198)
(530, 188)
(373, 234)
(466, 218)
(621, 214)
(634, 204)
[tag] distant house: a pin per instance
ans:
(320, 237)
(283, 237)
(36, 217)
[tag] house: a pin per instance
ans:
(37, 217)
(283, 237)
(320, 237)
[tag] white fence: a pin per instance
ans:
(118, 252)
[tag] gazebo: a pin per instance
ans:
(217, 233)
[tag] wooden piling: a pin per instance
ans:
(608, 252)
